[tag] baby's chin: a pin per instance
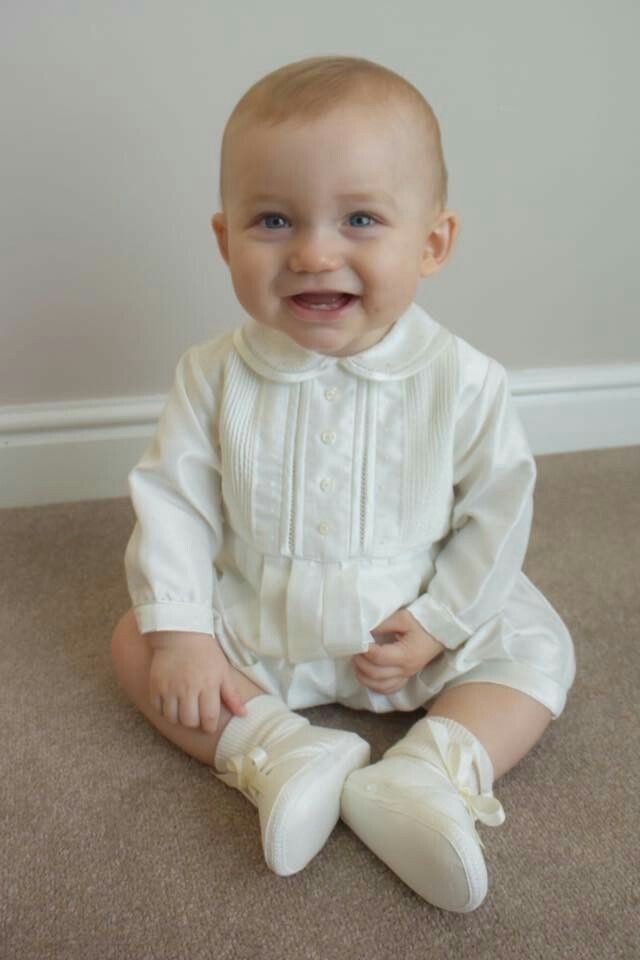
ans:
(336, 343)
(327, 342)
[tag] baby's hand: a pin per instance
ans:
(387, 667)
(189, 677)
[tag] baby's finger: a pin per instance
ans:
(170, 708)
(388, 686)
(232, 700)
(384, 654)
(209, 710)
(188, 711)
(372, 670)
(155, 697)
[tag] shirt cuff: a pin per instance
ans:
(439, 622)
(190, 617)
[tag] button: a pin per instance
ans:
(332, 393)
(328, 436)
(323, 528)
(326, 484)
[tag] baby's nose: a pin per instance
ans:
(314, 254)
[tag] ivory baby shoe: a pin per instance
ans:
(416, 809)
(293, 773)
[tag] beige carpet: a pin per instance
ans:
(115, 845)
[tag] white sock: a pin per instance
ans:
(267, 720)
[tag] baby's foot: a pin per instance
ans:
(293, 773)
(417, 807)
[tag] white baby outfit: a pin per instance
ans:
(291, 501)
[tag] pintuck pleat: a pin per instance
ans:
(239, 425)
(428, 419)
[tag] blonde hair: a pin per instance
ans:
(309, 88)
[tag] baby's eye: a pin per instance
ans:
(356, 219)
(270, 220)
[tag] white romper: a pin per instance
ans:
(291, 501)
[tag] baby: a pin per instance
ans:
(337, 501)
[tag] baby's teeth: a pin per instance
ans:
(330, 304)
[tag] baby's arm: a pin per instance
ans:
(190, 678)
(494, 476)
(169, 561)
(176, 494)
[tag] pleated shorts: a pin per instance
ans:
(527, 647)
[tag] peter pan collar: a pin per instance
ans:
(412, 343)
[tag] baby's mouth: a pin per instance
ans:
(323, 299)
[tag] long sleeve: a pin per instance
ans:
(494, 476)
(175, 490)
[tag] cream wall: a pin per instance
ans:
(112, 114)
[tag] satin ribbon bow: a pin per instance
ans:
(243, 768)
(241, 771)
(457, 759)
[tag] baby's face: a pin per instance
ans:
(327, 225)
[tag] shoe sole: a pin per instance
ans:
(434, 857)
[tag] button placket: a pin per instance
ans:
(328, 437)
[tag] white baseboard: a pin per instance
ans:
(60, 452)
(565, 409)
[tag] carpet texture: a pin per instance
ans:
(115, 845)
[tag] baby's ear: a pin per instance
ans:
(440, 243)
(219, 224)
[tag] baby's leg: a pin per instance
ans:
(292, 771)
(507, 723)
(132, 658)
